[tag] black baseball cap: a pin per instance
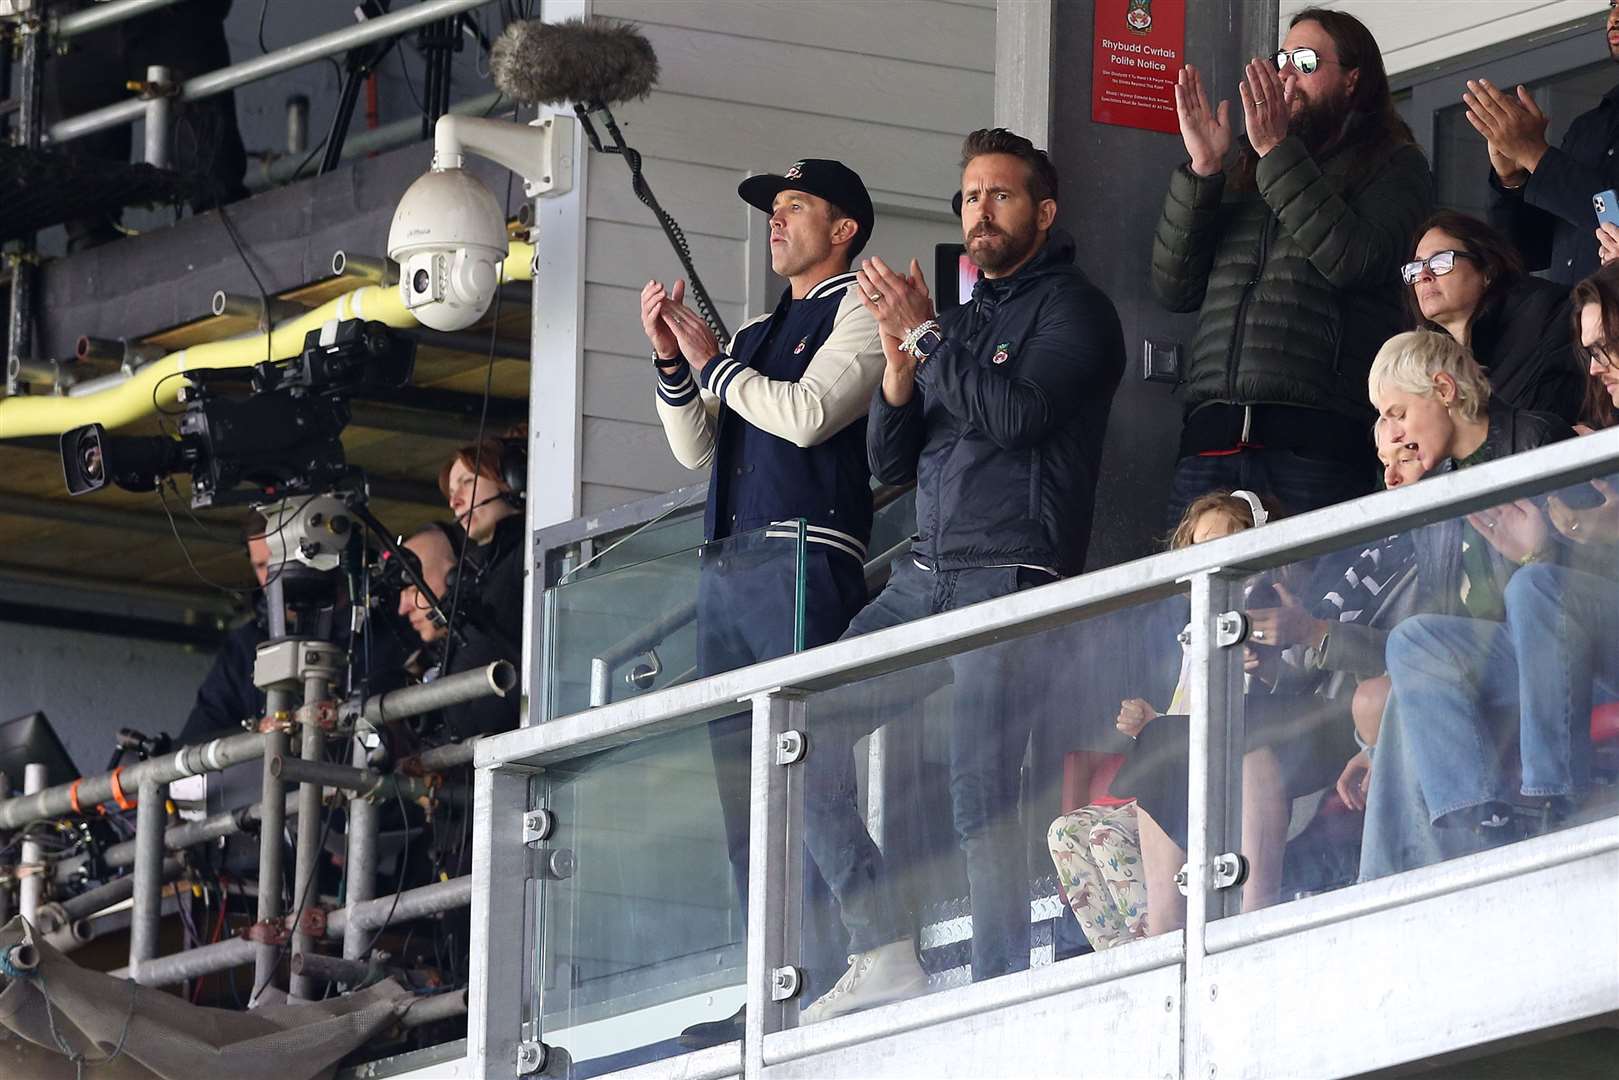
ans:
(830, 180)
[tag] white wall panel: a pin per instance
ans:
(889, 88)
(1415, 33)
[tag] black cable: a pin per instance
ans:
(477, 453)
(399, 884)
(303, 901)
(264, 294)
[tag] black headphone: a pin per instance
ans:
(514, 468)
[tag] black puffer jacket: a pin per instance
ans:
(1004, 434)
(1523, 342)
(1298, 281)
(491, 622)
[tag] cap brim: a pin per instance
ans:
(760, 191)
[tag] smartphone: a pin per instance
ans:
(1606, 204)
(1580, 497)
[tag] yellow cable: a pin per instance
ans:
(132, 399)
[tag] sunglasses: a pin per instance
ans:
(1305, 60)
(1439, 264)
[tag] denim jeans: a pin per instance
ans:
(745, 615)
(1297, 482)
(1477, 686)
(990, 720)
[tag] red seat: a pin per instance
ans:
(1605, 722)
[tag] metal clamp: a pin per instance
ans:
(1227, 872)
(318, 714)
(1230, 628)
(311, 921)
(1230, 870)
(531, 1057)
(560, 865)
(791, 746)
(271, 932)
(537, 826)
(785, 982)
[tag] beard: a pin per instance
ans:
(1002, 250)
(1319, 122)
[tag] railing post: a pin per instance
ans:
(31, 878)
(775, 890)
(159, 97)
(145, 919)
(272, 823)
(30, 86)
(360, 866)
(1214, 807)
(501, 957)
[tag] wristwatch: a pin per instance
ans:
(922, 340)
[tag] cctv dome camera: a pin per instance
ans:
(449, 239)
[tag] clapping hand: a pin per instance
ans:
(1514, 127)
(1597, 525)
(653, 297)
(1516, 529)
(899, 302)
(1207, 134)
(697, 342)
(1266, 105)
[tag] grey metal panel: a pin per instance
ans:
(1123, 1029)
(1421, 979)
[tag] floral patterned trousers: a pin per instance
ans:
(1097, 852)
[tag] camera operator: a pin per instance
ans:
(227, 697)
(434, 546)
(485, 597)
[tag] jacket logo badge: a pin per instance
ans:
(801, 346)
(796, 172)
(1001, 355)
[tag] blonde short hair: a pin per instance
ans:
(1409, 362)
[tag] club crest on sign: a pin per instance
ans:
(1001, 355)
(796, 172)
(801, 346)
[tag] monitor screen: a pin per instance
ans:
(30, 740)
(955, 274)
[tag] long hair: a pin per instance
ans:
(1601, 289)
(1371, 124)
(1499, 260)
(1232, 506)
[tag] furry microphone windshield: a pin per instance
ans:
(591, 60)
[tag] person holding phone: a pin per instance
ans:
(1542, 193)
(1467, 280)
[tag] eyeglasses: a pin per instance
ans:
(1305, 60)
(1601, 354)
(1439, 264)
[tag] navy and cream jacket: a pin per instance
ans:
(781, 422)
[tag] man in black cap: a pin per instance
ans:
(780, 422)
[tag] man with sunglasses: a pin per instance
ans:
(1542, 194)
(1290, 252)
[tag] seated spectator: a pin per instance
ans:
(1468, 281)
(1097, 848)
(1434, 400)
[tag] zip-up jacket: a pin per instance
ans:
(780, 422)
(1003, 435)
(1297, 281)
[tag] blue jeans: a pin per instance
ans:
(993, 710)
(745, 615)
(1297, 482)
(1475, 686)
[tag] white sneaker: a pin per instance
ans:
(883, 975)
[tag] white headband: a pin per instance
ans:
(1260, 514)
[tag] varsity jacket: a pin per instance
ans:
(781, 422)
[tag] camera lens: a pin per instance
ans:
(420, 281)
(90, 457)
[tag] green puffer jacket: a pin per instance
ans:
(1298, 281)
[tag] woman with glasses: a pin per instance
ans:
(1468, 281)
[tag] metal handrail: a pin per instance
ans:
(1021, 614)
(260, 67)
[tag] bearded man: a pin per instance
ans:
(1291, 253)
(996, 410)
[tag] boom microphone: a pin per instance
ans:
(592, 60)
